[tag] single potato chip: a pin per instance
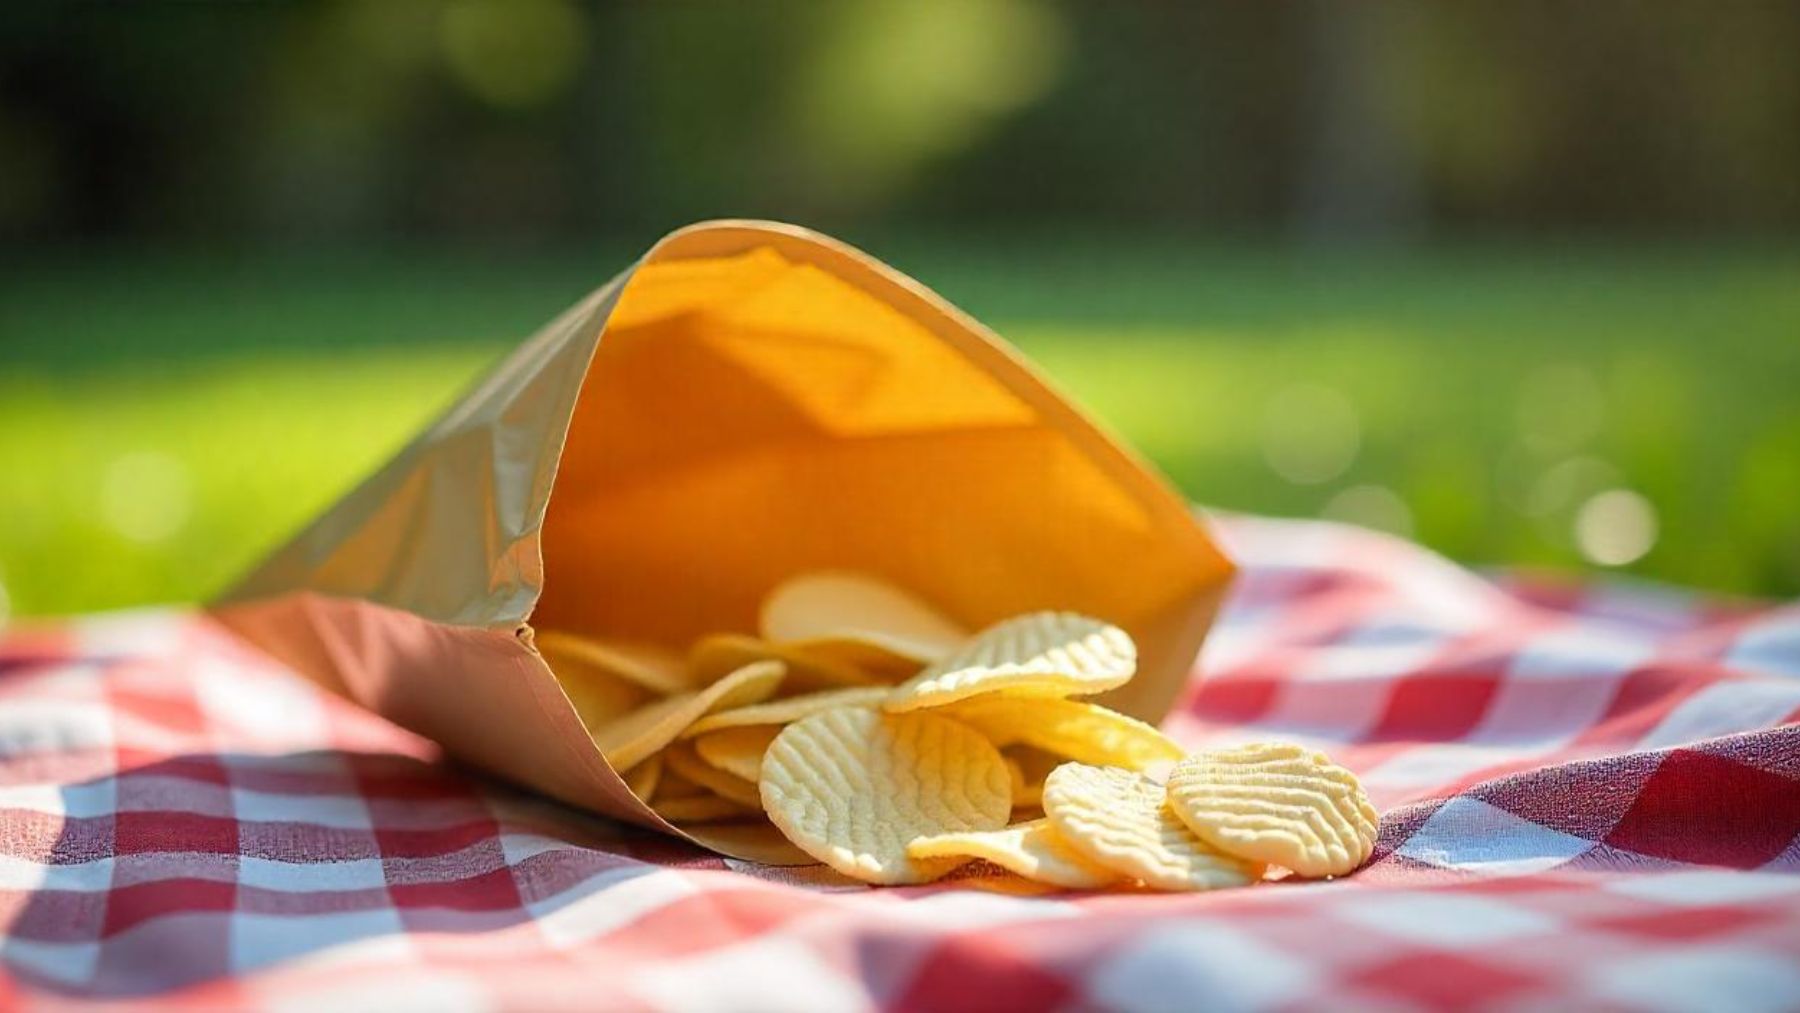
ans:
(754, 840)
(1118, 818)
(682, 759)
(661, 671)
(1052, 654)
(599, 697)
(1033, 850)
(826, 608)
(643, 778)
(719, 653)
(703, 808)
(1081, 731)
(853, 787)
(635, 736)
(1279, 803)
(738, 751)
(789, 709)
(1033, 765)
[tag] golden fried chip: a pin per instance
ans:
(1279, 803)
(635, 736)
(682, 759)
(754, 840)
(852, 787)
(659, 670)
(719, 653)
(702, 808)
(1086, 732)
(1051, 654)
(643, 778)
(789, 709)
(822, 609)
(1119, 819)
(599, 697)
(737, 751)
(1033, 850)
(1033, 765)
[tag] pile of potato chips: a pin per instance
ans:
(866, 731)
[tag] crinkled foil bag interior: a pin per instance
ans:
(749, 401)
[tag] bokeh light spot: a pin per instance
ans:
(1615, 527)
(513, 53)
(1568, 483)
(146, 496)
(1372, 506)
(1310, 434)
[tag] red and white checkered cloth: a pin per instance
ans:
(1591, 799)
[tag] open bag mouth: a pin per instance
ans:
(751, 401)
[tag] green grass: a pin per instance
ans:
(164, 420)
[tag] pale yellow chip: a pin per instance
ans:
(714, 655)
(630, 739)
(657, 669)
(600, 697)
(852, 787)
(1118, 818)
(1033, 850)
(737, 751)
(702, 808)
(789, 709)
(1033, 765)
(1279, 803)
(754, 840)
(643, 778)
(1052, 654)
(1086, 732)
(822, 609)
(682, 759)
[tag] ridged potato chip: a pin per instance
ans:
(635, 736)
(682, 759)
(1120, 819)
(661, 671)
(752, 840)
(1086, 732)
(827, 610)
(1051, 654)
(737, 751)
(1033, 850)
(1279, 803)
(853, 787)
(702, 808)
(719, 653)
(643, 778)
(789, 709)
(1033, 765)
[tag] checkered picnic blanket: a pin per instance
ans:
(1591, 798)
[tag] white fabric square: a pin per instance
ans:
(259, 940)
(1471, 835)
(344, 812)
(1690, 977)
(600, 904)
(306, 877)
(1769, 647)
(1197, 965)
(68, 963)
(1725, 708)
(775, 973)
(1442, 919)
(1704, 887)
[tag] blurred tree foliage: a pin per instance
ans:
(534, 119)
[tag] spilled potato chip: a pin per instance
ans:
(1074, 729)
(1051, 654)
(1033, 850)
(1278, 803)
(854, 787)
(635, 736)
(1119, 819)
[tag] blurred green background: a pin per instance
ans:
(1519, 280)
